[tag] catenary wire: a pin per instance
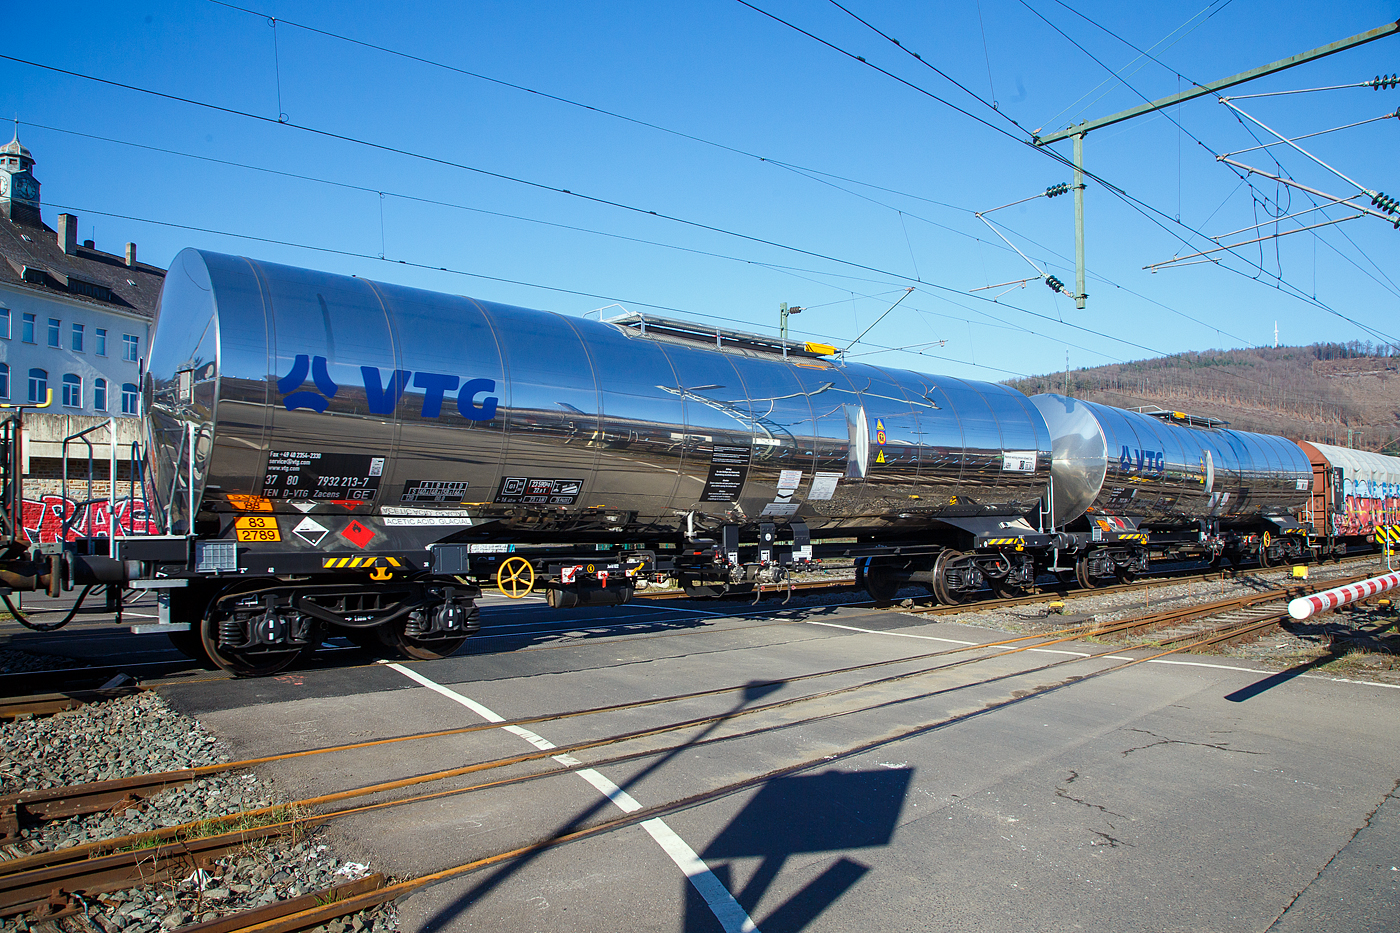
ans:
(1154, 215)
(330, 250)
(603, 201)
(810, 173)
(546, 187)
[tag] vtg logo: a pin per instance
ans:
(1145, 461)
(384, 399)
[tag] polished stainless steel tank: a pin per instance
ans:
(303, 387)
(1126, 463)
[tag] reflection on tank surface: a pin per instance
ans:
(530, 416)
(1127, 463)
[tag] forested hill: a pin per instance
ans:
(1307, 393)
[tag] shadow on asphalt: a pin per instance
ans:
(1342, 640)
(791, 815)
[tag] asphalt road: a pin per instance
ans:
(1184, 794)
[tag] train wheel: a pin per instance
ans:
(393, 636)
(240, 663)
(515, 577)
(881, 582)
(1003, 590)
(1264, 559)
(188, 605)
(561, 598)
(190, 645)
(1124, 575)
(941, 590)
(1081, 573)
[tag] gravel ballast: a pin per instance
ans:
(140, 734)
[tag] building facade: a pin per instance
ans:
(74, 320)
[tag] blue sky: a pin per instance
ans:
(810, 179)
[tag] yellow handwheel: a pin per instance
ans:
(515, 577)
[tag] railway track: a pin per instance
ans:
(49, 704)
(289, 916)
(25, 883)
(85, 678)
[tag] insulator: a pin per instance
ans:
(1055, 284)
(1056, 190)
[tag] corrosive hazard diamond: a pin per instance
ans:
(311, 531)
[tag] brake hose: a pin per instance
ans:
(49, 626)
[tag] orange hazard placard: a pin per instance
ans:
(256, 528)
(250, 503)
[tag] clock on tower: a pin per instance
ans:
(19, 190)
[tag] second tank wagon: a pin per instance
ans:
(1188, 484)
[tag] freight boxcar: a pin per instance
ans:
(1353, 493)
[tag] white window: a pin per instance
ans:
(4, 380)
(77, 338)
(99, 394)
(5, 323)
(131, 348)
(101, 336)
(128, 398)
(72, 390)
(38, 384)
(55, 325)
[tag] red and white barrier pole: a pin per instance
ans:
(1305, 606)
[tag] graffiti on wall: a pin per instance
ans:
(45, 518)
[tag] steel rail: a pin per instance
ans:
(275, 917)
(296, 919)
(12, 708)
(1040, 640)
(23, 892)
(55, 803)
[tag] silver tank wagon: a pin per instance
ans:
(423, 414)
(1112, 461)
(1117, 471)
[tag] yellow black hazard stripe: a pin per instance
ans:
(335, 563)
(1389, 533)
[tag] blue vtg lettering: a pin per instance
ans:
(382, 397)
(1142, 462)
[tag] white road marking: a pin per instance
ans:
(873, 631)
(727, 910)
(1116, 657)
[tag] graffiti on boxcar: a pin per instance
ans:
(45, 518)
(1363, 513)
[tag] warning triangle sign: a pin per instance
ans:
(880, 458)
(879, 425)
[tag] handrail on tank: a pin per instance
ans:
(185, 460)
(83, 436)
(14, 467)
(135, 467)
